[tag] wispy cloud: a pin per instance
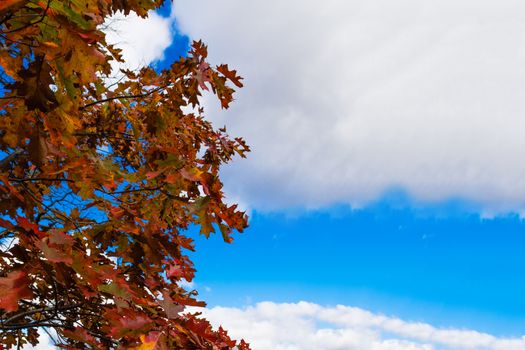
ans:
(347, 98)
(308, 326)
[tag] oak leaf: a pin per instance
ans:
(13, 287)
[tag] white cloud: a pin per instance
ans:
(307, 326)
(142, 40)
(345, 99)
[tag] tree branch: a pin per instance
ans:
(4, 163)
(30, 23)
(32, 179)
(31, 325)
(43, 309)
(123, 97)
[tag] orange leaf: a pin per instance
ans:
(50, 44)
(29, 226)
(230, 74)
(7, 66)
(149, 342)
(8, 3)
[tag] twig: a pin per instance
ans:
(122, 97)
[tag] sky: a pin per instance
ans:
(386, 186)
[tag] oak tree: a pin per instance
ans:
(100, 180)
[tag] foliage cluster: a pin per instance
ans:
(100, 180)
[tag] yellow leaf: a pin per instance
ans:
(51, 44)
(147, 344)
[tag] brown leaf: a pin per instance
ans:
(230, 74)
(38, 148)
(171, 308)
(35, 86)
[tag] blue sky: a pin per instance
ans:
(459, 271)
(387, 168)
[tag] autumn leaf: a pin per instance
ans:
(30, 227)
(171, 308)
(148, 342)
(60, 238)
(35, 86)
(13, 287)
(82, 335)
(128, 325)
(54, 254)
(203, 75)
(193, 174)
(230, 74)
(6, 224)
(51, 44)
(118, 289)
(7, 65)
(5, 4)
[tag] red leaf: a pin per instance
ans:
(128, 325)
(13, 287)
(90, 37)
(58, 237)
(81, 334)
(203, 75)
(6, 224)
(110, 185)
(174, 271)
(116, 212)
(54, 255)
(153, 174)
(29, 226)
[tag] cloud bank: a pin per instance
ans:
(346, 99)
(307, 326)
